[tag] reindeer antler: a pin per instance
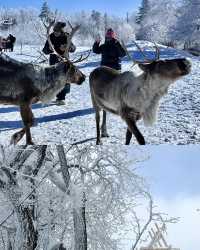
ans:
(157, 55)
(147, 60)
(157, 52)
(69, 38)
(128, 54)
(81, 58)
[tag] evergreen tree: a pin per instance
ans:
(143, 10)
(45, 12)
(105, 17)
(96, 18)
(96, 23)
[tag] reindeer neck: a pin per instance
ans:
(143, 89)
(155, 84)
(50, 81)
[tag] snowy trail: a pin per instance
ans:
(178, 119)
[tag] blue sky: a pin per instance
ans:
(172, 171)
(110, 6)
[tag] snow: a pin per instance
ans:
(178, 119)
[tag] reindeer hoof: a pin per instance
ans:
(98, 142)
(104, 134)
(142, 141)
(30, 143)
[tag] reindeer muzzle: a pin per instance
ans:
(81, 80)
(185, 66)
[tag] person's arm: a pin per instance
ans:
(97, 48)
(120, 50)
(13, 39)
(46, 50)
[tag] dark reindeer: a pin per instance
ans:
(23, 84)
(134, 97)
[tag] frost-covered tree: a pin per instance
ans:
(18, 174)
(24, 29)
(187, 27)
(81, 197)
(28, 27)
(157, 24)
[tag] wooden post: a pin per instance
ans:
(127, 17)
(21, 48)
(157, 240)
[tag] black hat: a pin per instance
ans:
(58, 26)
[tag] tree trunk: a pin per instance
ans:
(30, 233)
(80, 234)
(80, 228)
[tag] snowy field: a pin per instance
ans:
(178, 119)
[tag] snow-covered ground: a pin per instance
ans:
(178, 119)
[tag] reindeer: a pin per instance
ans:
(23, 84)
(134, 97)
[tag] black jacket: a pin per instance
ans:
(11, 38)
(111, 52)
(57, 42)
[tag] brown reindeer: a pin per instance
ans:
(23, 84)
(134, 97)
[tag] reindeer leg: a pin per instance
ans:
(103, 126)
(27, 117)
(128, 136)
(133, 128)
(97, 116)
(28, 120)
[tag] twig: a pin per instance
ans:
(147, 223)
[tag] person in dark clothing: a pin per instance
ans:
(10, 41)
(111, 50)
(59, 41)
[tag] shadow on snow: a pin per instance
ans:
(9, 125)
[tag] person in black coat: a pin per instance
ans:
(111, 50)
(10, 41)
(59, 41)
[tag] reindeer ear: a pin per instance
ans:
(146, 67)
